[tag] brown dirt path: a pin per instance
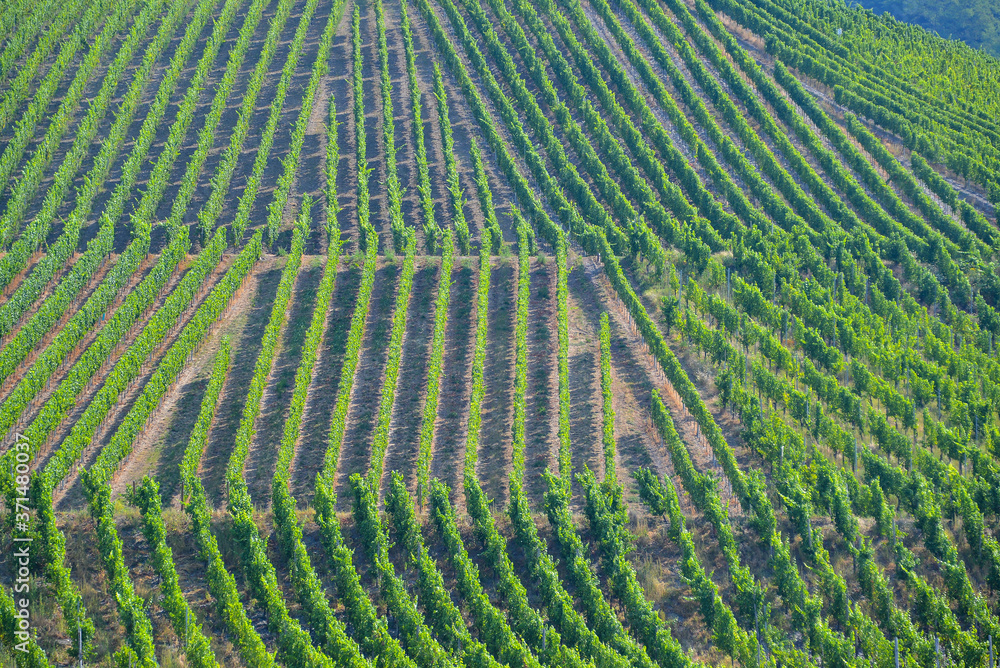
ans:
(451, 427)
(355, 452)
(542, 393)
(411, 387)
(269, 427)
(158, 450)
(586, 400)
(495, 454)
(260, 288)
(313, 441)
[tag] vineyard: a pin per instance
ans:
(484, 333)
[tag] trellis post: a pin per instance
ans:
(79, 634)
